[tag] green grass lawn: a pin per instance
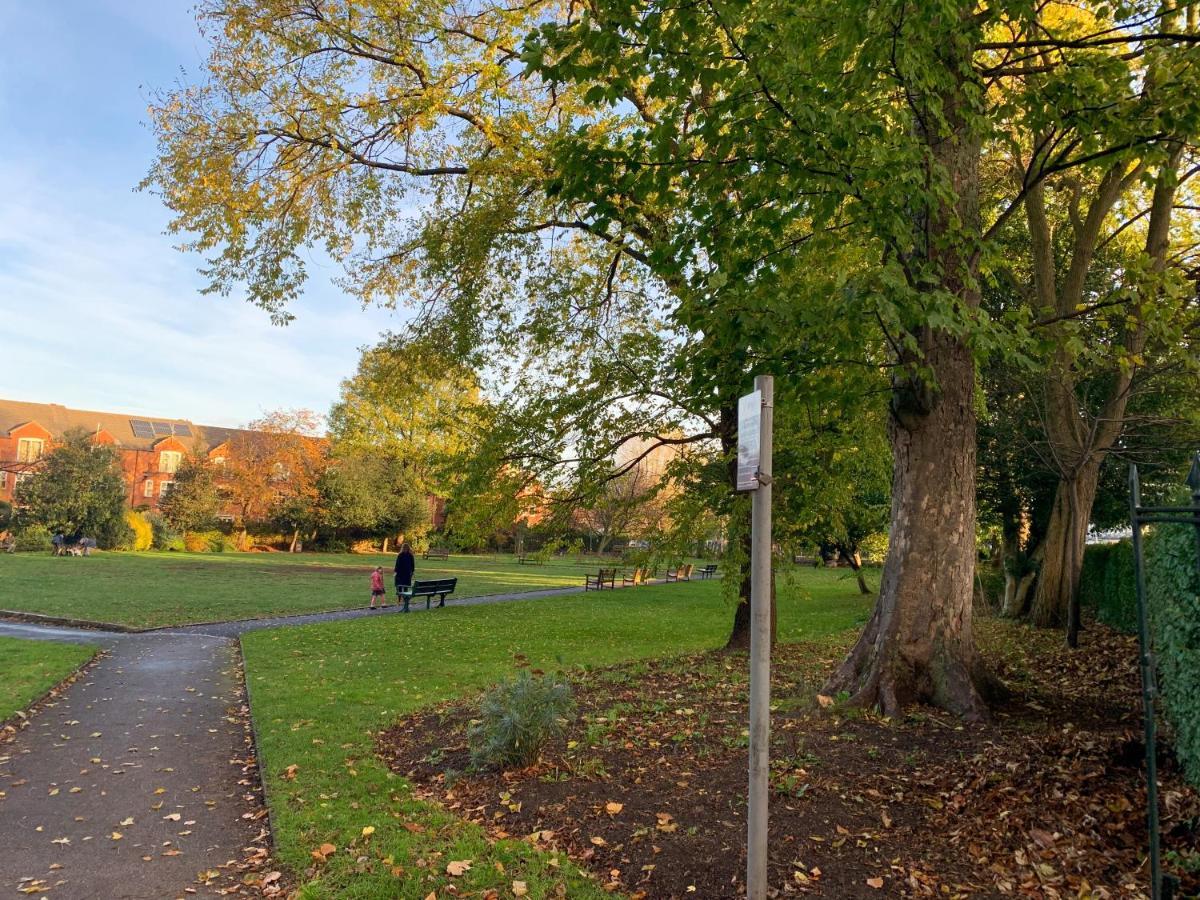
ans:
(147, 590)
(30, 668)
(320, 692)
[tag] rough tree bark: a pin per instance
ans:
(1063, 545)
(919, 644)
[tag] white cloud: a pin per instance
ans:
(97, 310)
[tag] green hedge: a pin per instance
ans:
(1106, 584)
(1173, 592)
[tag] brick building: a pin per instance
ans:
(151, 449)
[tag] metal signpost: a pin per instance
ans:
(1161, 888)
(755, 420)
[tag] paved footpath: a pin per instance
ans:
(132, 782)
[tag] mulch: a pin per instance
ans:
(647, 792)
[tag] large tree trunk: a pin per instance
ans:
(919, 644)
(1063, 545)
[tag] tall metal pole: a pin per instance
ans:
(1149, 687)
(760, 653)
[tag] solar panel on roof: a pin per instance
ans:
(141, 428)
(182, 429)
(161, 427)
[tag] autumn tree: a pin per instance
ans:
(273, 469)
(625, 505)
(421, 107)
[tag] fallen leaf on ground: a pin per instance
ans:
(457, 867)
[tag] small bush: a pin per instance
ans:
(518, 717)
(165, 536)
(142, 532)
(34, 539)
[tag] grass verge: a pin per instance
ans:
(320, 694)
(28, 669)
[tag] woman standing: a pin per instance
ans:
(406, 565)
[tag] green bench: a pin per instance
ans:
(437, 587)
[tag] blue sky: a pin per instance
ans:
(97, 308)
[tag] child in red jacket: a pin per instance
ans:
(377, 590)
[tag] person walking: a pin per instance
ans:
(377, 591)
(406, 566)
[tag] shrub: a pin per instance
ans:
(518, 717)
(1173, 596)
(143, 532)
(165, 536)
(34, 539)
(211, 541)
(1106, 584)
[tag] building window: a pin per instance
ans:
(148, 488)
(19, 477)
(3, 480)
(164, 488)
(30, 449)
(168, 461)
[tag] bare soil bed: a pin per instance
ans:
(648, 790)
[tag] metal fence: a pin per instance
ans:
(1161, 888)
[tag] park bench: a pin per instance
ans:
(638, 577)
(682, 573)
(709, 571)
(530, 560)
(598, 581)
(437, 587)
(436, 553)
(799, 560)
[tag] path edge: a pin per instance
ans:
(16, 723)
(255, 745)
(85, 624)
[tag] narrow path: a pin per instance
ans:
(241, 626)
(132, 782)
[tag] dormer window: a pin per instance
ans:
(168, 461)
(30, 449)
